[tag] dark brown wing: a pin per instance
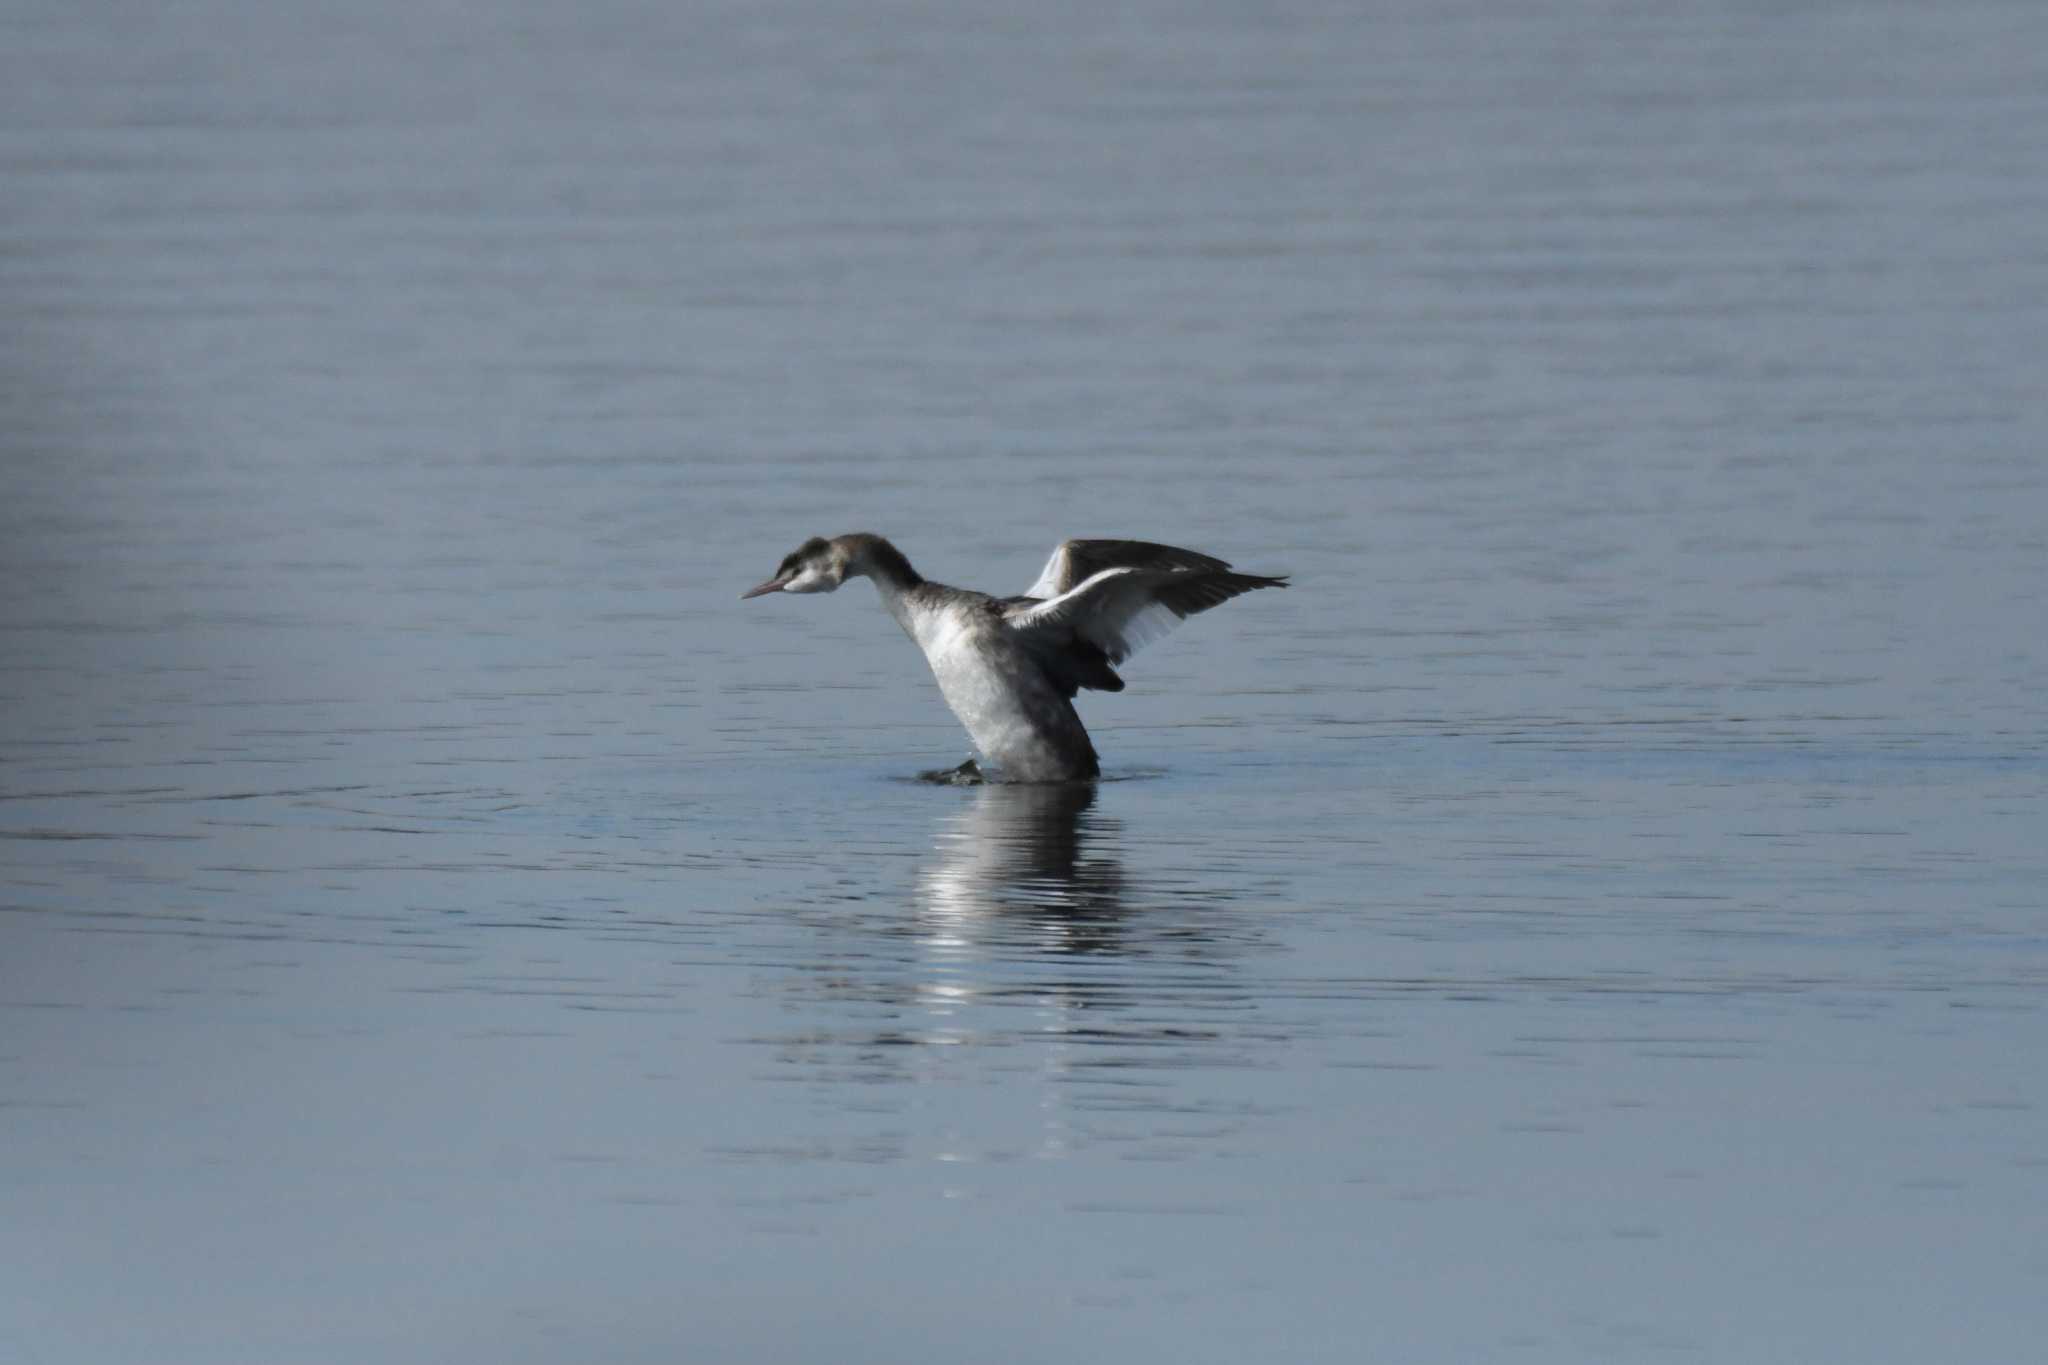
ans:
(1121, 609)
(1076, 561)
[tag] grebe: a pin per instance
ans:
(1010, 666)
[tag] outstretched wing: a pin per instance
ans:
(1077, 561)
(1120, 610)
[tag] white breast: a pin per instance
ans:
(1005, 703)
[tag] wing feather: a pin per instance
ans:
(1120, 610)
(1077, 561)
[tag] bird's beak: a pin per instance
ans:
(772, 585)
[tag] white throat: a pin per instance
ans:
(900, 607)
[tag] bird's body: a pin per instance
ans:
(1010, 666)
(1014, 707)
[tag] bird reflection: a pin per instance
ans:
(1027, 865)
(1030, 959)
(1024, 876)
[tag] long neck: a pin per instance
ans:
(892, 575)
(884, 563)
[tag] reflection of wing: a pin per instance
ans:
(1076, 561)
(1121, 609)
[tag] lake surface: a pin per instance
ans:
(1599, 911)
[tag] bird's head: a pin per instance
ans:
(817, 565)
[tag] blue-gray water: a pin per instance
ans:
(1599, 911)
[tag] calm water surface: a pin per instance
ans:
(1600, 911)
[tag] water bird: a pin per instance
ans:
(1009, 667)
